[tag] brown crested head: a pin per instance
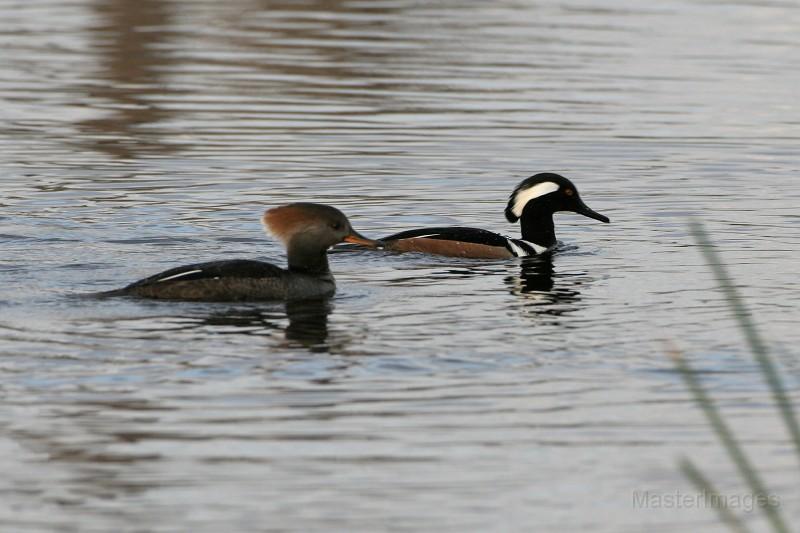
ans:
(313, 225)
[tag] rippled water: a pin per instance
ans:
(430, 393)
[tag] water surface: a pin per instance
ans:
(430, 393)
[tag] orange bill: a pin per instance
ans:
(357, 238)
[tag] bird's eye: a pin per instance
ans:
(336, 225)
(569, 192)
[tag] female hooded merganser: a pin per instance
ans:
(533, 203)
(306, 230)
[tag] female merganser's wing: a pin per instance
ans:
(235, 268)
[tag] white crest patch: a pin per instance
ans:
(523, 197)
(176, 276)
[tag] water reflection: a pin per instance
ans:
(536, 274)
(326, 29)
(239, 321)
(545, 292)
(443, 372)
(434, 273)
(307, 322)
(130, 73)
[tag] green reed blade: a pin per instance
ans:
(703, 484)
(729, 442)
(746, 323)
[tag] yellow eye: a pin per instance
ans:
(569, 192)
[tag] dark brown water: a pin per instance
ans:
(430, 393)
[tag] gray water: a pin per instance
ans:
(430, 394)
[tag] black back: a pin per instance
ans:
(453, 233)
(235, 268)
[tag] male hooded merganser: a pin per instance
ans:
(533, 203)
(306, 230)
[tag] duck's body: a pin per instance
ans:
(457, 241)
(533, 202)
(232, 280)
(306, 229)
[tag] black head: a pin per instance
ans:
(547, 192)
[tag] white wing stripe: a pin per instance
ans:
(175, 276)
(516, 250)
(536, 247)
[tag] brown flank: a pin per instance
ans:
(449, 248)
